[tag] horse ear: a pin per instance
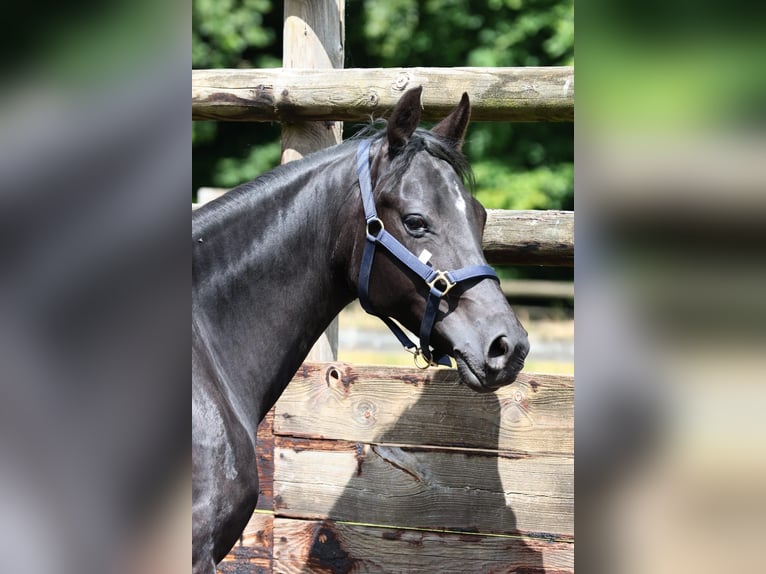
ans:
(454, 126)
(404, 119)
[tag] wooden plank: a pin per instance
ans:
(467, 491)
(314, 35)
(409, 406)
(252, 554)
(264, 454)
(326, 546)
(528, 94)
(529, 237)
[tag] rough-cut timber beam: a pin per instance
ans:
(497, 94)
(529, 237)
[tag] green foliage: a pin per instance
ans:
(226, 32)
(538, 188)
(234, 34)
(517, 166)
(233, 171)
(203, 132)
(464, 33)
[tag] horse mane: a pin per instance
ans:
(244, 194)
(421, 139)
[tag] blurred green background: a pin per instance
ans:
(517, 165)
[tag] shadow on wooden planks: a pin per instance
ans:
(447, 509)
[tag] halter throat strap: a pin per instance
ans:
(439, 282)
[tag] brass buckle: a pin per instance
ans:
(441, 276)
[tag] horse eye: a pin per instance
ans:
(415, 224)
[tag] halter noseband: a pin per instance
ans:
(439, 282)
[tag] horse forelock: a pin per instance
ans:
(424, 140)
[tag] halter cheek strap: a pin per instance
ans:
(439, 282)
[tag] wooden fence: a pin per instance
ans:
(390, 469)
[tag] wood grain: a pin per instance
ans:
(286, 95)
(468, 491)
(408, 406)
(313, 39)
(252, 554)
(544, 237)
(264, 454)
(324, 546)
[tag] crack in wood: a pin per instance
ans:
(404, 462)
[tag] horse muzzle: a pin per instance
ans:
(489, 347)
(499, 366)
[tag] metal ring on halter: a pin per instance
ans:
(441, 277)
(374, 221)
(426, 363)
(417, 353)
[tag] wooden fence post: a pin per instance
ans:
(314, 35)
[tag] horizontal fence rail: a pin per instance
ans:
(529, 237)
(367, 403)
(528, 94)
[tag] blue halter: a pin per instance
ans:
(439, 282)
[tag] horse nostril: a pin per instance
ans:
(499, 348)
(503, 354)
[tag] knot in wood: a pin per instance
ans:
(333, 376)
(401, 81)
(364, 413)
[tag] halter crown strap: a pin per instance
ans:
(439, 282)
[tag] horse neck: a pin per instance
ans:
(264, 283)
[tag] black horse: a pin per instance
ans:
(276, 259)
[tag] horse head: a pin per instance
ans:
(417, 181)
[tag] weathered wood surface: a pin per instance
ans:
(324, 546)
(528, 237)
(313, 38)
(264, 453)
(409, 406)
(252, 553)
(418, 451)
(463, 490)
(532, 237)
(287, 95)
